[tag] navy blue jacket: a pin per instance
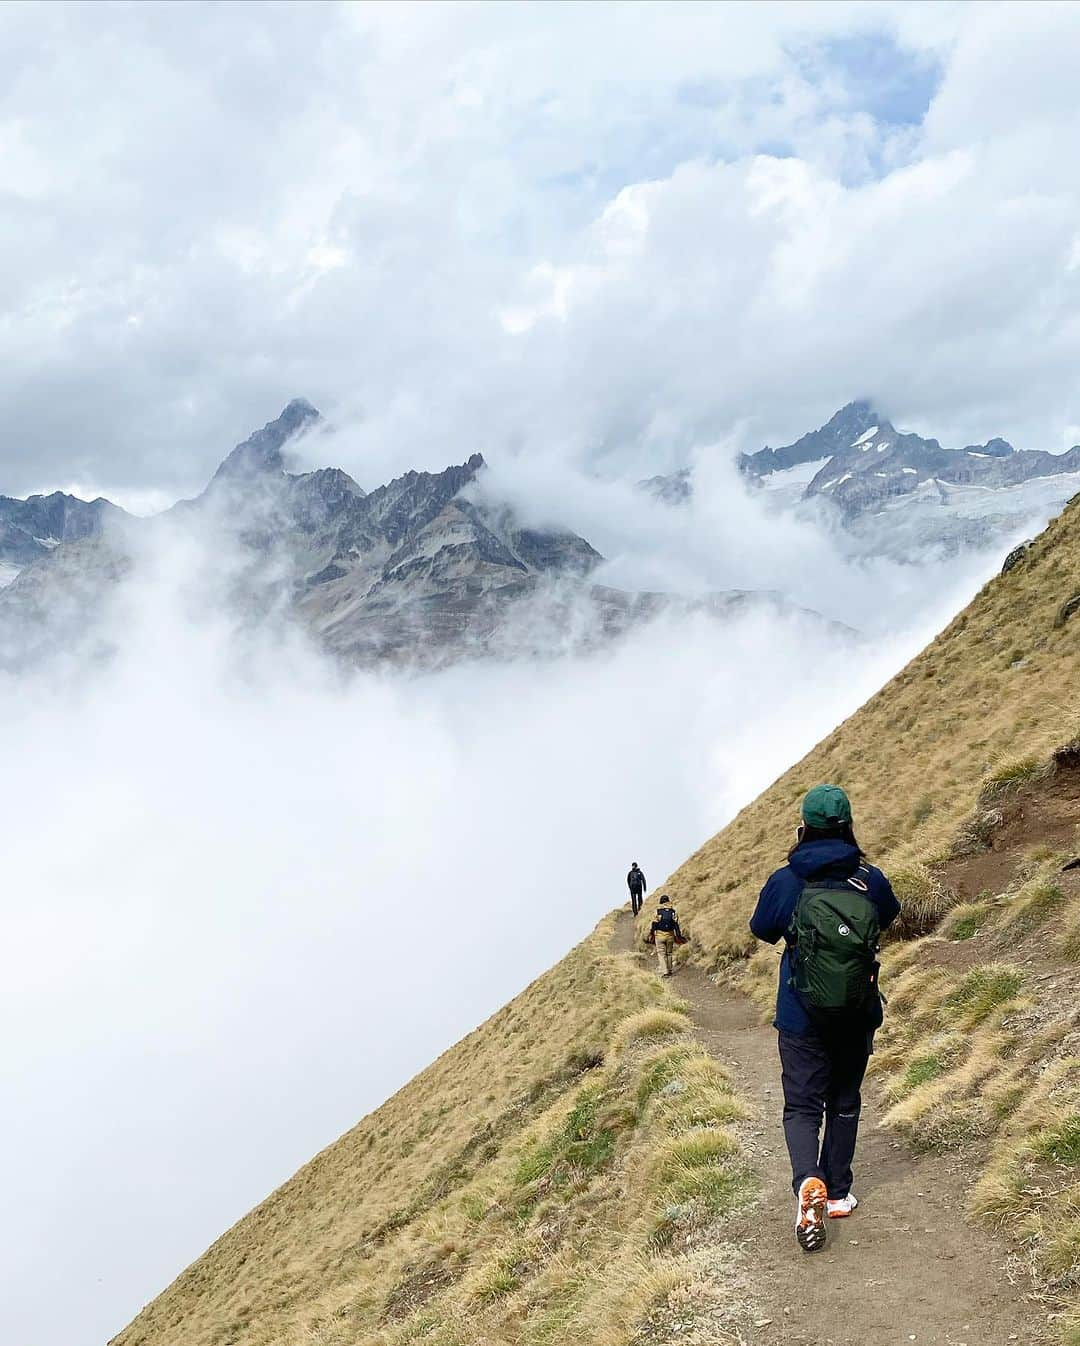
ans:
(828, 858)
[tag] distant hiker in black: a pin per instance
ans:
(635, 881)
(663, 933)
(829, 907)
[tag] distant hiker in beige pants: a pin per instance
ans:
(663, 933)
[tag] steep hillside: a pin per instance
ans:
(540, 1182)
(997, 686)
(965, 772)
(574, 1170)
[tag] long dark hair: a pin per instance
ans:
(841, 832)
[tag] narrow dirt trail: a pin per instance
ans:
(906, 1267)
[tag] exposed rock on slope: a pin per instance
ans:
(33, 527)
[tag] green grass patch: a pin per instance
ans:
(533, 1164)
(1035, 904)
(699, 1177)
(922, 1070)
(473, 1207)
(695, 1149)
(715, 1189)
(708, 1105)
(1061, 1143)
(499, 1281)
(966, 921)
(982, 990)
(659, 1069)
(584, 1144)
(1009, 1101)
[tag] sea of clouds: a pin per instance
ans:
(245, 896)
(249, 893)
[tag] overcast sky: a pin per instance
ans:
(611, 232)
(603, 240)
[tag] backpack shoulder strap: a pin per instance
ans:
(861, 879)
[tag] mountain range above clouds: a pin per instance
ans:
(429, 568)
(425, 569)
(895, 493)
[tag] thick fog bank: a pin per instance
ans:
(247, 896)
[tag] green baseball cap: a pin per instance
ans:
(826, 806)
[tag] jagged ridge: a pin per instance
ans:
(425, 569)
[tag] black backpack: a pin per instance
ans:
(666, 919)
(636, 880)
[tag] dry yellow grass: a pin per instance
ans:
(545, 1180)
(945, 727)
(539, 1181)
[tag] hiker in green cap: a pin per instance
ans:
(829, 907)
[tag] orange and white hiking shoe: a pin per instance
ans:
(810, 1216)
(842, 1208)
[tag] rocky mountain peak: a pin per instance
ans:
(32, 527)
(260, 453)
(839, 433)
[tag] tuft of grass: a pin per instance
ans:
(965, 922)
(921, 1070)
(924, 900)
(584, 1144)
(1060, 1144)
(503, 1274)
(1035, 903)
(533, 1165)
(695, 1149)
(649, 1024)
(982, 990)
(1009, 776)
(1070, 941)
(660, 1068)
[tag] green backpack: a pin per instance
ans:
(834, 933)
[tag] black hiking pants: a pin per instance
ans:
(637, 899)
(822, 1076)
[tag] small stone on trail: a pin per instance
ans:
(762, 1322)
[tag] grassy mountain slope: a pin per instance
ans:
(965, 773)
(470, 1206)
(542, 1183)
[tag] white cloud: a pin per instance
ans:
(361, 205)
(244, 903)
(595, 243)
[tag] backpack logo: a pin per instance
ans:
(844, 929)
